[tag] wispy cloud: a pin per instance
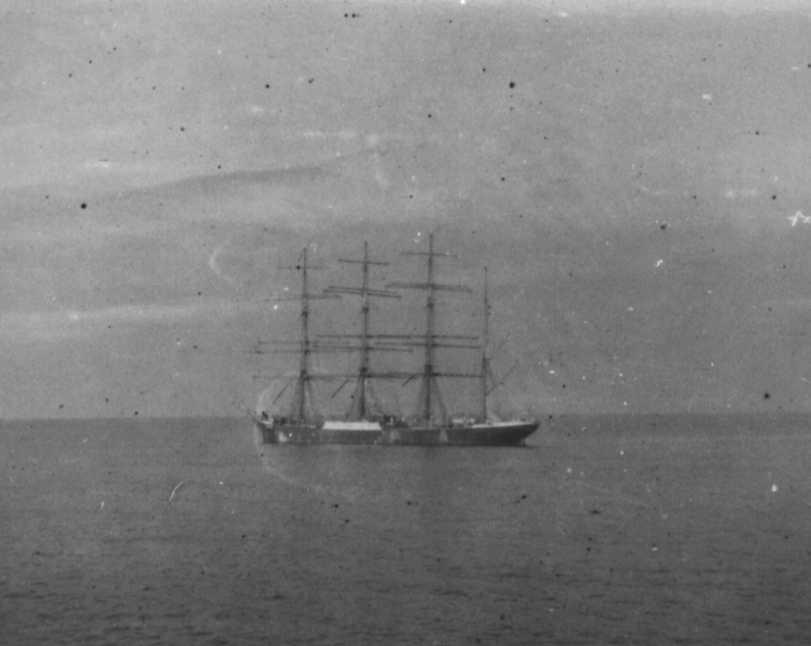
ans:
(98, 164)
(766, 309)
(369, 139)
(740, 193)
(345, 135)
(72, 323)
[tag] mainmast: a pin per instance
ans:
(360, 408)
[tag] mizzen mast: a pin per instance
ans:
(485, 359)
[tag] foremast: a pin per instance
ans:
(303, 383)
(302, 408)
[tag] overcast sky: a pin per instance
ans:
(634, 174)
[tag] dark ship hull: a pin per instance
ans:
(490, 434)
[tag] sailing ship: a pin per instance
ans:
(432, 425)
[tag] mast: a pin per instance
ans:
(363, 373)
(303, 382)
(430, 397)
(428, 366)
(302, 394)
(360, 408)
(485, 359)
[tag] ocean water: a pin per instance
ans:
(605, 530)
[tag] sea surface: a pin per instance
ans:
(604, 530)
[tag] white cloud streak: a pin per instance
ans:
(741, 193)
(64, 324)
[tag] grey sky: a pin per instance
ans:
(635, 178)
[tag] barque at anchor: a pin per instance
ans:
(432, 425)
